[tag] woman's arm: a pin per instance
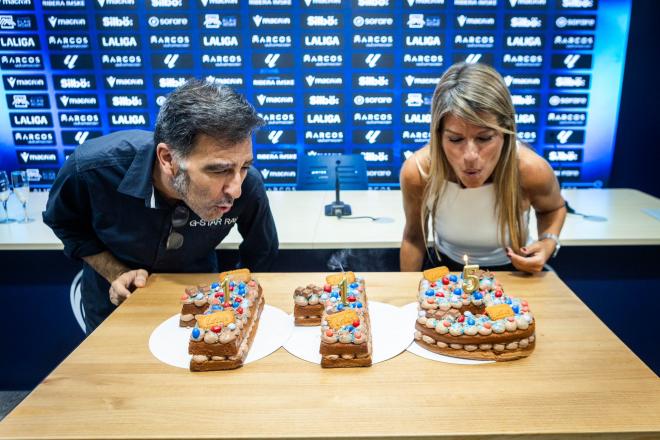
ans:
(542, 189)
(413, 247)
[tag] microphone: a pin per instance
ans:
(337, 208)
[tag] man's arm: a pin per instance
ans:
(69, 214)
(257, 227)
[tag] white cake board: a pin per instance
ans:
(410, 311)
(386, 324)
(169, 342)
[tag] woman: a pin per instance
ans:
(477, 182)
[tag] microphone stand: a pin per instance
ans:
(337, 208)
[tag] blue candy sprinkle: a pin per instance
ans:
(515, 308)
(235, 305)
(354, 285)
(470, 321)
(195, 333)
(478, 295)
(458, 291)
(358, 305)
(430, 292)
(215, 286)
(232, 284)
(215, 307)
(340, 307)
(350, 328)
(453, 278)
(334, 295)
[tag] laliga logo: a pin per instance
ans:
(372, 135)
(170, 60)
(564, 135)
(271, 59)
(70, 61)
(81, 136)
(570, 60)
(473, 58)
(274, 136)
(372, 59)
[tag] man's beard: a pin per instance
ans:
(181, 185)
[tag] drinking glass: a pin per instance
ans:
(5, 191)
(22, 190)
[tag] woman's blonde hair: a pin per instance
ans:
(473, 92)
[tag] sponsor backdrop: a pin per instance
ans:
(329, 76)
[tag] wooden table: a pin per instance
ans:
(580, 382)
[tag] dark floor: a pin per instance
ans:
(9, 400)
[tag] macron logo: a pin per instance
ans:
(461, 20)
(570, 60)
(274, 137)
(372, 59)
(271, 59)
(111, 81)
(257, 20)
(411, 3)
(407, 154)
(261, 99)
(11, 80)
(205, 2)
(308, 2)
(101, 3)
(25, 156)
(409, 80)
(508, 80)
(81, 136)
(308, 78)
(372, 135)
(513, 3)
(65, 100)
(52, 20)
(564, 135)
(171, 59)
(265, 172)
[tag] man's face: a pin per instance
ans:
(211, 177)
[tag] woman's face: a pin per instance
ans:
(472, 151)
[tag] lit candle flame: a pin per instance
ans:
(465, 259)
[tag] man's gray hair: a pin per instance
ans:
(201, 107)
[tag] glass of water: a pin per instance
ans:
(5, 191)
(21, 186)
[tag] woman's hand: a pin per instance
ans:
(533, 257)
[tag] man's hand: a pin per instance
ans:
(121, 288)
(533, 257)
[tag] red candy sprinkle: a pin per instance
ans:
(327, 288)
(240, 311)
(356, 323)
(238, 299)
(351, 299)
(226, 305)
(445, 280)
(216, 328)
(461, 318)
(217, 294)
(433, 284)
(328, 333)
(498, 293)
(440, 294)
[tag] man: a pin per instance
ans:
(132, 202)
